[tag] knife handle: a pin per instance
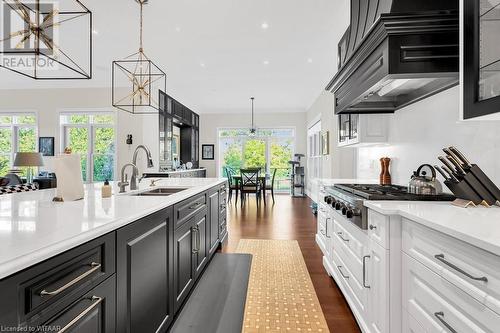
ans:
(438, 168)
(461, 157)
(456, 164)
(447, 164)
(450, 173)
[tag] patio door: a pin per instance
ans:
(270, 149)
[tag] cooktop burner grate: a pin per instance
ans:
(390, 192)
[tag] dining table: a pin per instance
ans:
(262, 179)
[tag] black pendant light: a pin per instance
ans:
(137, 80)
(46, 40)
(253, 129)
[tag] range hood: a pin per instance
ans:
(394, 53)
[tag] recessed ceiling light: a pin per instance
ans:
(178, 29)
(266, 62)
(264, 25)
(202, 64)
(309, 60)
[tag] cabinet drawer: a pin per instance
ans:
(471, 269)
(222, 229)
(354, 291)
(321, 224)
(378, 228)
(410, 325)
(353, 238)
(188, 208)
(439, 306)
(222, 202)
(46, 285)
(92, 312)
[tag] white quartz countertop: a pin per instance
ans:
(478, 226)
(33, 228)
(174, 171)
(333, 181)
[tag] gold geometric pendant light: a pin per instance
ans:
(46, 40)
(137, 80)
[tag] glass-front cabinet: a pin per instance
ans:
(481, 80)
(166, 131)
(348, 129)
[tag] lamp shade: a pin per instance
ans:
(28, 160)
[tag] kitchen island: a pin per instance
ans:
(125, 263)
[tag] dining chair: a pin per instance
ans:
(233, 184)
(250, 183)
(270, 186)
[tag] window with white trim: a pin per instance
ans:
(18, 133)
(93, 136)
(269, 149)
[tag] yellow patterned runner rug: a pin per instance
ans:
(281, 296)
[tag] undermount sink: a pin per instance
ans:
(160, 191)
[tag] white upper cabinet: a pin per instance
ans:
(362, 130)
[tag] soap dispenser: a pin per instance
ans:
(106, 190)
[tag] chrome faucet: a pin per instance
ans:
(133, 181)
(124, 182)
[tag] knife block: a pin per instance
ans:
(462, 190)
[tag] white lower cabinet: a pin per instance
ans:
(400, 276)
(321, 230)
(360, 266)
(440, 306)
(376, 279)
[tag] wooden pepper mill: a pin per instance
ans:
(385, 176)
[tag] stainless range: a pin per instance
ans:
(348, 199)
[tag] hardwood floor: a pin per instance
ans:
(291, 218)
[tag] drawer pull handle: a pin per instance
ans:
(326, 228)
(196, 205)
(364, 271)
(96, 301)
(95, 267)
(342, 273)
(341, 237)
(439, 316)
(372, 227)
(441, 258)
(195, 244)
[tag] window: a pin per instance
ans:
(18, 133)
(92, 135)
(270, 149)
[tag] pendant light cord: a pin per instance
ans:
(141, 3)
(252, 98)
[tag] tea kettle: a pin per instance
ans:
(420, 183)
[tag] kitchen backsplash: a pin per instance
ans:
(419, 132)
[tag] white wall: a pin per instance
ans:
(211, 122)
(419, 132)
(49, 102)
(341, 161)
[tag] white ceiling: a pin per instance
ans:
(216, 53)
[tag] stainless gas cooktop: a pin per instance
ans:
(348, 199)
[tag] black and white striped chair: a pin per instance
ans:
(18, 188)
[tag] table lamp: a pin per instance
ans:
(29, 160)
